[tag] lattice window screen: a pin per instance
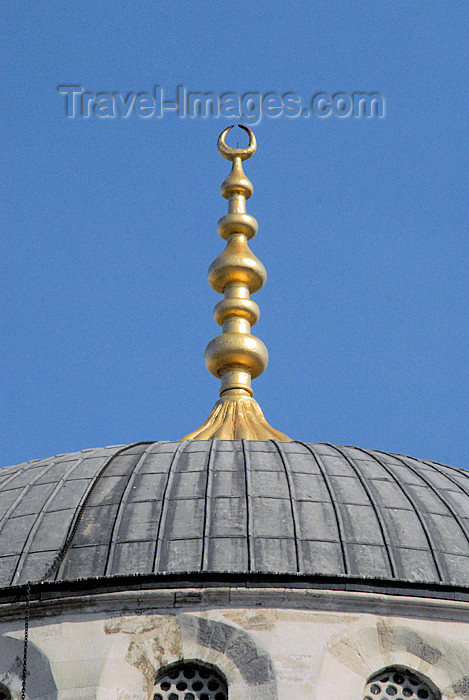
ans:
(190, 681)
(397, 684)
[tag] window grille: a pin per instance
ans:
(190, 681)
(398, 684)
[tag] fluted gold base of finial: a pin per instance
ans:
(236, 417)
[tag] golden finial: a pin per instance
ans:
(236, 356)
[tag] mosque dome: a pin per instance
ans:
(222, 507)
(235, 563)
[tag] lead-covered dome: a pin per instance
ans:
(234, 506)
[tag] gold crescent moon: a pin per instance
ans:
(232, 153)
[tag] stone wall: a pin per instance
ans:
(269, 644)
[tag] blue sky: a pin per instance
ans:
(110, 224)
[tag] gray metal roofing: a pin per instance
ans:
(234, 506)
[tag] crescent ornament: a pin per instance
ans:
(231, 153)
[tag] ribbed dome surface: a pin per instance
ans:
(234, 506)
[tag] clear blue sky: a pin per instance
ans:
(110, 224)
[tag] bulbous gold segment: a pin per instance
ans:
(236, 350)
(237, 222)
(236, 308)
(236, 356)
(236, 182)
(237, 264)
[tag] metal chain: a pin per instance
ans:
(26, 635)
(81, 510)
(60, 557)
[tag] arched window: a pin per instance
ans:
(189, 680)
(398, 683)
(4, 693)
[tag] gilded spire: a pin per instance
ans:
(236, 356)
